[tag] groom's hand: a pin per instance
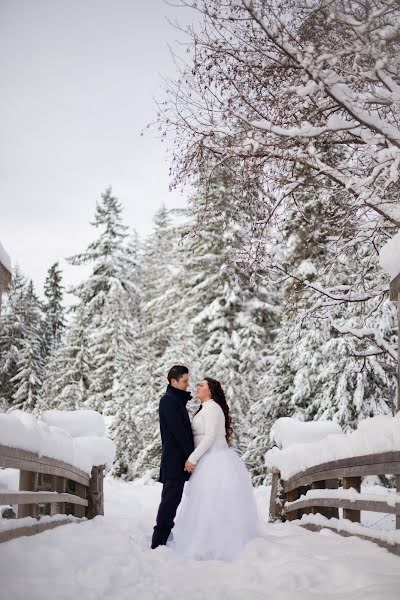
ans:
(189, 467)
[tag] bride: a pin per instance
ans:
(218, 513)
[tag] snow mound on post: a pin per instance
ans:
(389, 256)
(76, 422)
(93, 451)
(4, 258)
(19, 429)
(287, 431)
(375, 435)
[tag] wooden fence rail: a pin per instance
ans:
(50, 487)
(316, 491)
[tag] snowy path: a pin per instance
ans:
(108, 559)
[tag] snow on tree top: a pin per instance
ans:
(4, 258)
(20, 429)
(389, 256)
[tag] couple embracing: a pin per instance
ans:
(218, 513)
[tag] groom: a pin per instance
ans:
(177, 445)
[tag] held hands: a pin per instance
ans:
(189, 467)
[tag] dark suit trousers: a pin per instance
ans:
(170, 500)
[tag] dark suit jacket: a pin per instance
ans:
(176, 434)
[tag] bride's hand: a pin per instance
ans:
(189, 467)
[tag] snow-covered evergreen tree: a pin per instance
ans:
(115, 331)
(132, 272)
(316, 372)
(126, 418)
(230, 306)
(273, 402)
(105, 256)
(85, 368)
(125, 409)
(336, 377)
(161, 271)
(53, 308)
(68, 373)
(105, 300)
(30, 360)
(165, 336)
(12, 332)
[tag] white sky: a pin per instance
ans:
(78, 79)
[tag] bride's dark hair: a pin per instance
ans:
(218, 395)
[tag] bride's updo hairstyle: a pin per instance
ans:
(218, 395)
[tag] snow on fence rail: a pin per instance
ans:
(61, 476)
(305, 486)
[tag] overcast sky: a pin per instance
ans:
(78, 79)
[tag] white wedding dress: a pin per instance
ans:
(218, 513)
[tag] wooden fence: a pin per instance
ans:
(289, 498)
(50, 487)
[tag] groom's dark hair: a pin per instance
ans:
(176, 372)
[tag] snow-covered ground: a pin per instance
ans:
(109, 558)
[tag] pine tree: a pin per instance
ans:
(274, 400)
(124, 428)
(332, 381)
(115, 332)
(30, 363)
(106, 300)
(132, 273)
(104, 320)
(314, 372)
(231, 309)
(53, 308)
(68, 373)
(164, 334)
(12, 332)
(332, 378)
(160, 273)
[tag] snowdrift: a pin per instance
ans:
(287, 431)
(75, 437)
(374, 435)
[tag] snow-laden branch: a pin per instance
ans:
(304, 101)
(256, 92)
(367, 333)
(328, 79)
(334, 124)
(339, 294)
(345, 294)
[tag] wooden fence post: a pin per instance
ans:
(332, 513)
(95, 493)
(28, 481)
(349, 513)
(59, 486)
(330, 484)
(318, 485)
(79, 509)
(291, 497)
(395, 296)
(277, 498)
